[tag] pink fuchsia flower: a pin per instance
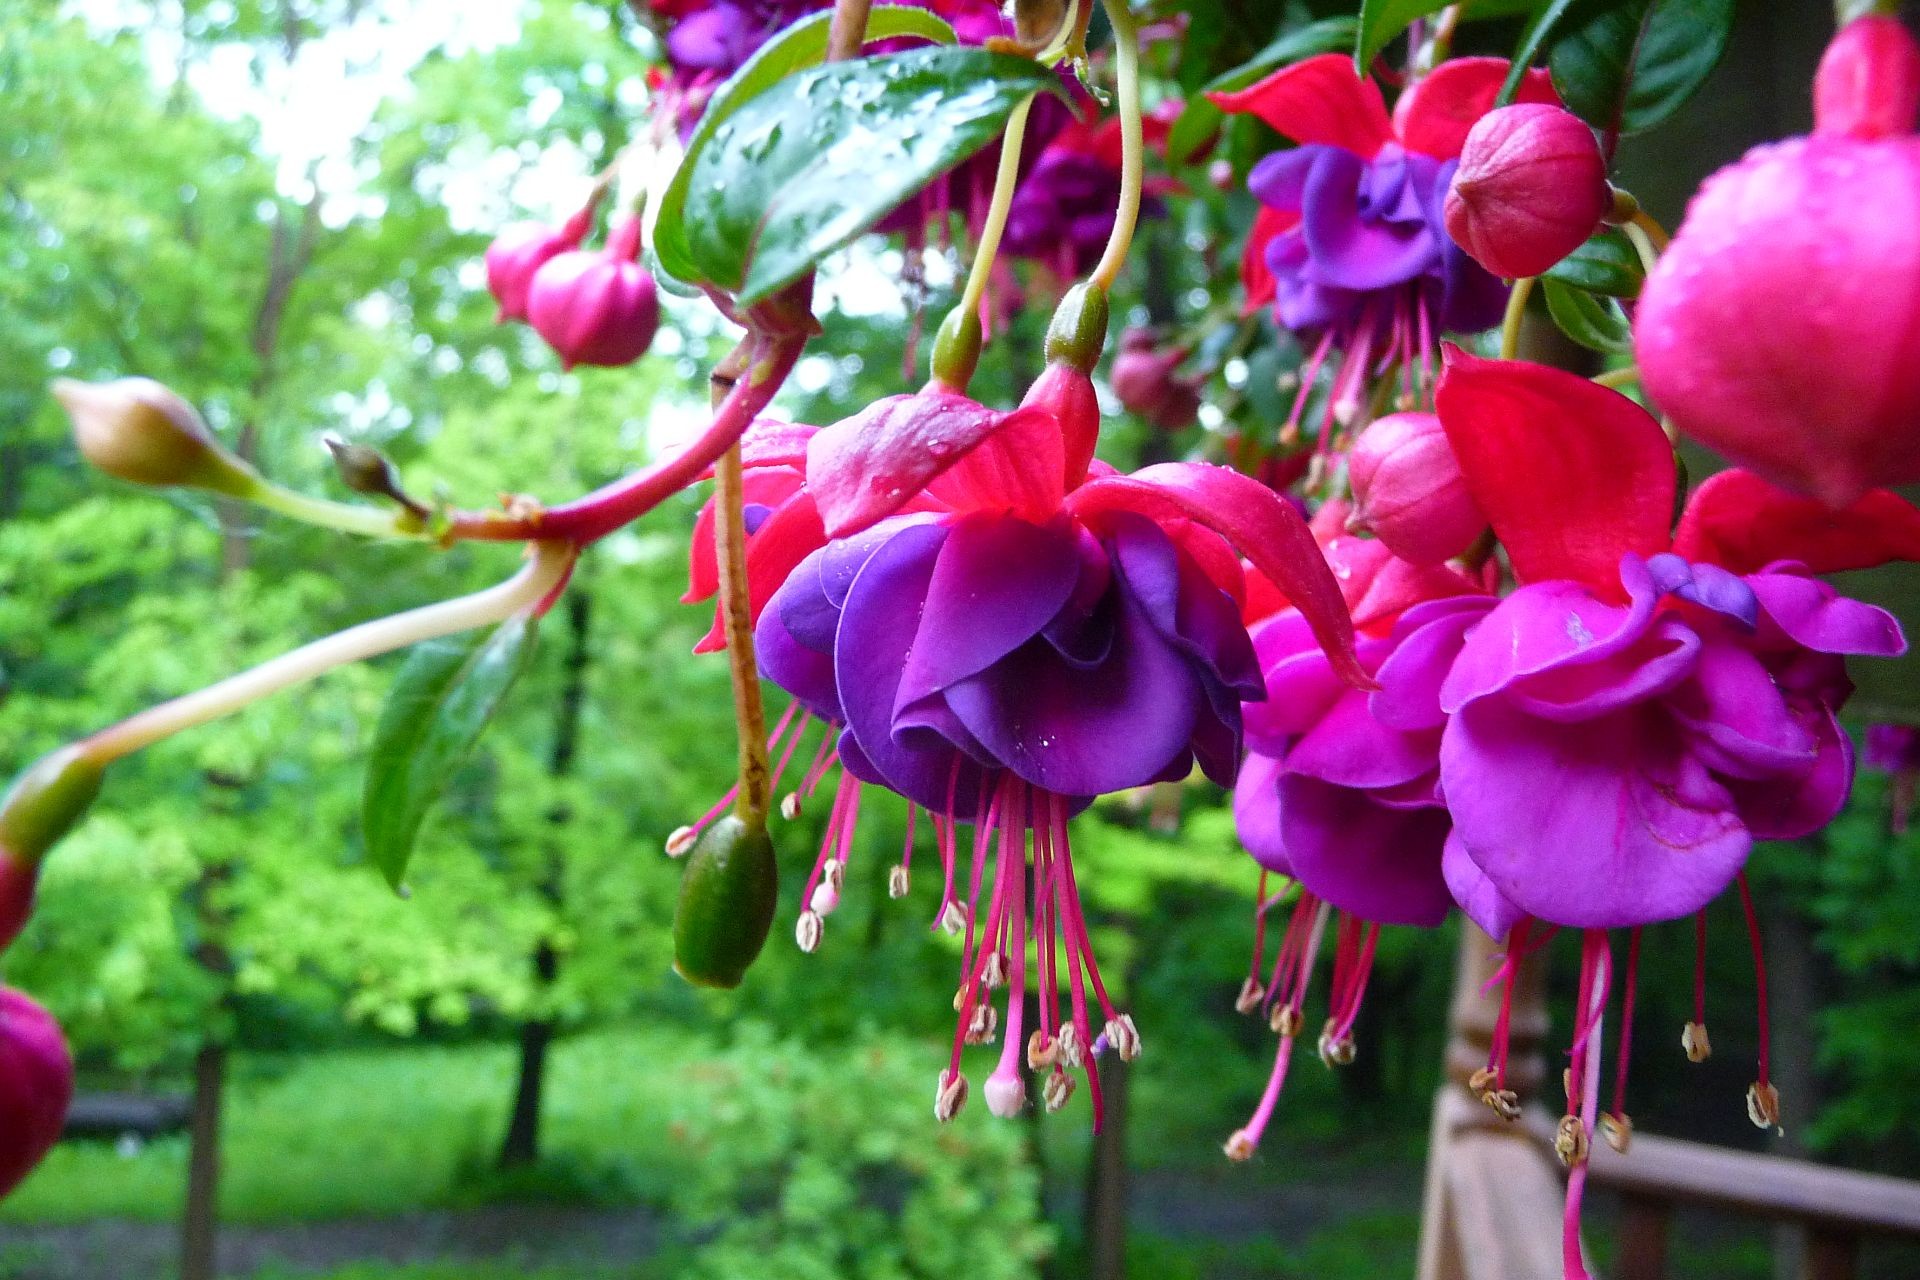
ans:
(1530, 189)
(598, 308)
(1408, 491)
(1813, 234)
(1053, 631)
(522, 249)
(1624, 725)
(1349, 246)
(36, 1084)
(1894, 749)
(1143, 378)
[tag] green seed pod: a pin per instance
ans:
(726, 904)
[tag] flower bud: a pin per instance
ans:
(137, 430)
(521, 250)
(1409, 492)
(36, 1084)
(597, 308)
(1145, 381)
(1068, 392)
(1530, 189)
(1868, 84)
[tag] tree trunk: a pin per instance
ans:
(1107, 1179)
(521, 1146)
(198, 1244)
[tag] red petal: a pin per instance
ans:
(1215, 556)
(1320, 100)
(864, 468)
(1261, 525)
(1020, 468)
(1435, 115)
(1572, 475)
(1254, 272)
(791, 534)
(1740, 522)
(768, 487)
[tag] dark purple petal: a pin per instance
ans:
(1349, 250)
(1378, 863)
(1280, 180)
(803, 671)
(1082, 632)
(1604, 824)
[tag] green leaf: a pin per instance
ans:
(821, 156)
(1606, 264)
(1591, 320)
(1528, 49)
(1381, 21)
(441, 703)
(1624, 67)
(802, 45)
(1200, 118)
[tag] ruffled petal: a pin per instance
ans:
(1774, 810)
(1301, 685)
(1349, 249)
(1349, 748)
(1536, 629)
(1378, 863)
(1485, 905)
(1740, 721)
(1322, 99)
(1425, 642)
(1811, 613)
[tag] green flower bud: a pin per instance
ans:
(727, 899)
(137, 430)
(1078, 330)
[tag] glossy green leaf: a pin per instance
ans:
(1382, 20)
(817, 159)
(442, 701)
(804, 44)
(1531, 39)
(1200, 118)
(1593, 321)
(1624, 67)
(1606, 264)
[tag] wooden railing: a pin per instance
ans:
(1494, 1188)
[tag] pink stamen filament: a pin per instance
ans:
(1259, 928)
(1309, 374)
(1062, 877)
(1013, 844)
(1622, 1054)
(1349, 1011)
(1262, 1113)
(1595, 966)
(1759, 972)
(906, 848)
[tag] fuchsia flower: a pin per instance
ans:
(36, 1084)
(522, 249)
(1006, 629)
(1143, 378)
(1814, 235)
(1349, 245)
(1530, 189)
(598, 308)
(1622, 728)
(1062, 211)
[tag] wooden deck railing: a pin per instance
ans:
(1493, 1192)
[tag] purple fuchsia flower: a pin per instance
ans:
(1041, 632)
(1894, 749)
(1062, 211)
(1623, 727)
(1350, 246)
(1340, 789)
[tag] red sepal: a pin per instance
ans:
(1322, 99)
(1435, 115)
(1742, 523)
(1572, 475)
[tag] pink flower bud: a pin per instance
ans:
(597, 308)
(140, 431)
(1145, 381)
(1069, 395)
(522, 249)
(36, 1084)
(1868, 85)
(1530, 189)
(1409, 492)
(1779, 327)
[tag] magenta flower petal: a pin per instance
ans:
(1485, 905)
(1256, 812)
(1349, 748)
(1426, 640)
(1350, 250)
(1742, 725)
(1811, 613)
(1604, 824)
(1378, 863)
(1776, 810)
(1536, 629)
(1301, 686)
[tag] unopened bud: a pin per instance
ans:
(1868, 84)
(36, 1085)
(983, 1025)
(807, 931)
(897, 882)
(1530, 189)
(1124, 1038)
(1006, 1094)
(1763, 1106)
(1285, 1020)
(1693, 1039)
(137, 430)
(1617, 1129)
(1240, 1147)
(949, 1096)
(519, 251)
(1570, 1141)
(681, 841)
(1057, 1090)
(1042, 1052)
(1409, 491)
(44, 802)
(365, 469)
(1251, 994)
(1144, 380)
(597, 308)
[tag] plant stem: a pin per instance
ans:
(1516, 311)
(849, 29)
(1649, 239)
(613, 506)
(1625, 375)
(346, 517)
(730, 547)
(1126, 48)
(1005, 179)
(526, 589)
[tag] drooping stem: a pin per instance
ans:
(1005, 179)
(1516, 311)
(849, 29)
(730, 547)
(545, 571)
(345, 517)
(599, 513)
(1126, 50)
